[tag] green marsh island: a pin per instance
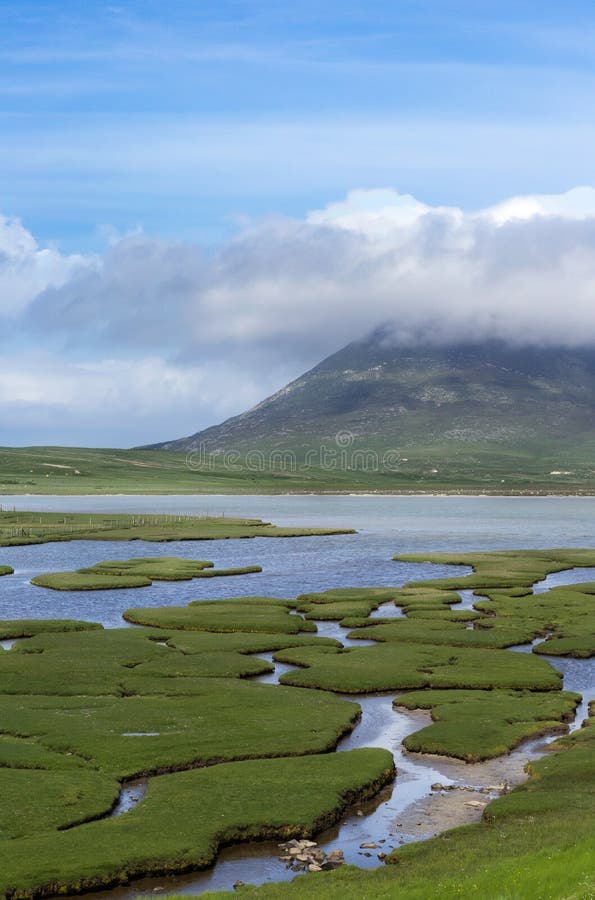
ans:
(238, 719)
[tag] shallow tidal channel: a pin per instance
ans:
(409, 809)
(412, 808)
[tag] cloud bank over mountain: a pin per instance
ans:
(163, 331)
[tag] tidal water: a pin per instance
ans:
(385, 526)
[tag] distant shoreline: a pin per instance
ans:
(454, 493)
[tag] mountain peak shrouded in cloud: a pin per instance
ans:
(229, 327)
(470, 407)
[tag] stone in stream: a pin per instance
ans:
(304, 855)
(370, 845)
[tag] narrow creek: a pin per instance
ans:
(410, 809)
(131, 794)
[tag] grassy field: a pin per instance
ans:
(18, 528)
(435, 468)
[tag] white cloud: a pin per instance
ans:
(290, 289)
(133, 399)
(160, 337)
(378, 213)
(577, 204)
(27, 269)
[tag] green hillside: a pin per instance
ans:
(53, 470)
(483, 415)
(372, 417)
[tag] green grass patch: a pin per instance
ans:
(27, 753)
(566, 614)
(167, 568)
(343, 604)
(76, 581)
(504, 578)
(190, 642)
(222, 720)
(139, 572)
(135, 661)
(454, 634)
(409, 666)
(235, 614)
(18, 528)
(445, 615)
(421, 600)
(25, 628)
(500, 568)
(185, 817)
(476, 725)
(37, 800)
(579, 646)
(6, 570)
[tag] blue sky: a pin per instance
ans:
(181, 117)
(185, 186)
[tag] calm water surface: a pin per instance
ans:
(385, 525)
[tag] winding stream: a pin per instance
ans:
(407, 810)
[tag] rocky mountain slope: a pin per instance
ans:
(472, 404)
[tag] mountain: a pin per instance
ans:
(487, 408)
